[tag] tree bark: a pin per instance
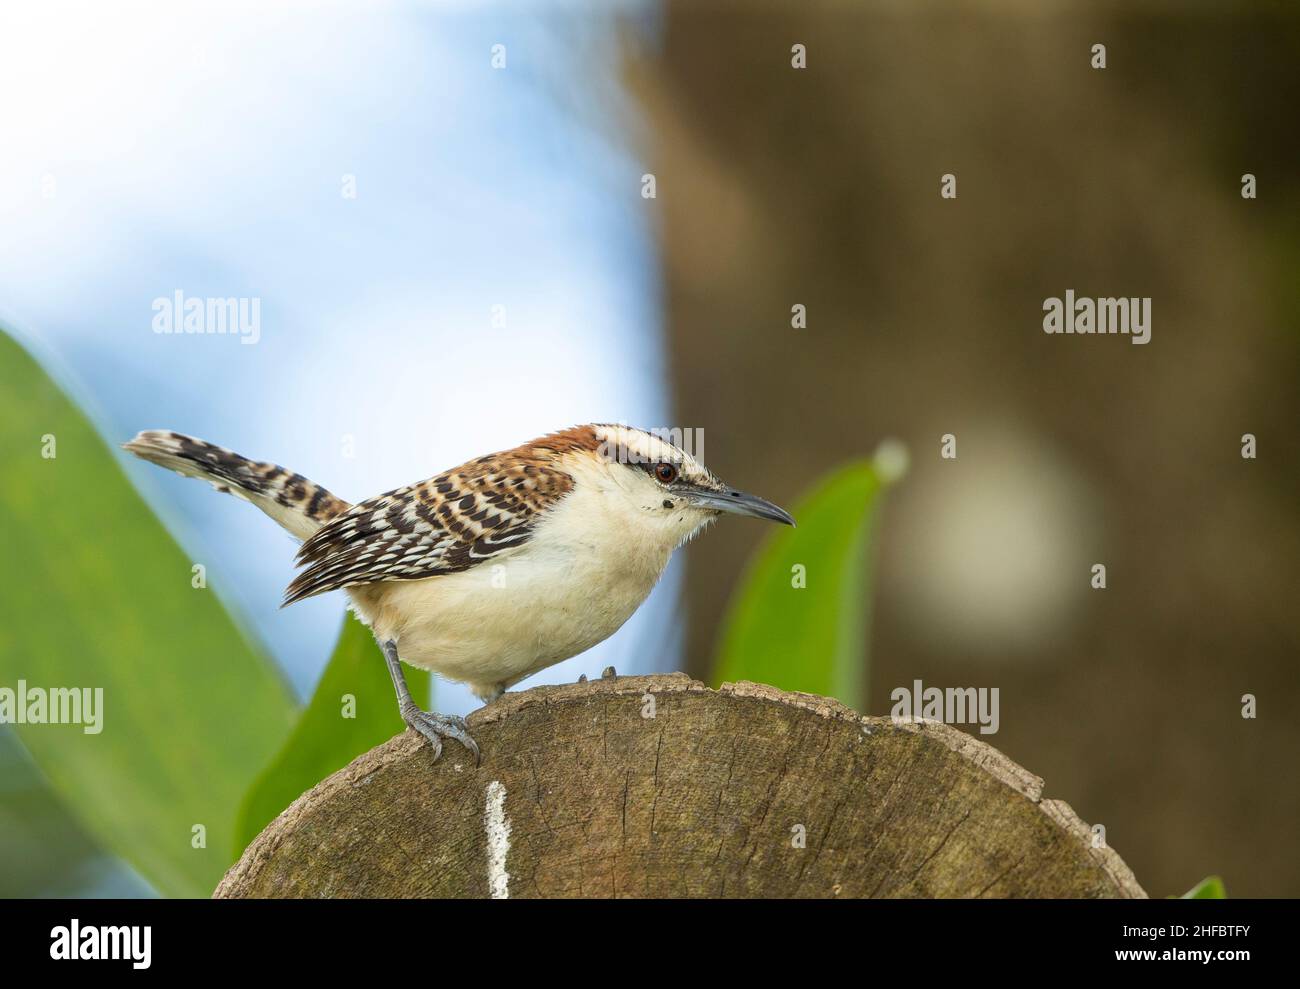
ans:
(658, 786)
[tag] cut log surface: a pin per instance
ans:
(660, 787)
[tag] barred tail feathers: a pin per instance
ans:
(298, 505)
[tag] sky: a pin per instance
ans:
(447, 258)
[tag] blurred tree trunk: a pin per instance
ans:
(820, 187)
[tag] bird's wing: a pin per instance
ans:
(445, 525)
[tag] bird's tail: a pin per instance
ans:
(297, 504)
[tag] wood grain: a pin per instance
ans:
(660, 787)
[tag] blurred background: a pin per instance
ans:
(210, 151)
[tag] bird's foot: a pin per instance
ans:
(435, 727)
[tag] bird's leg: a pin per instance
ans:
(433, 726)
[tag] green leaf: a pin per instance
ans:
(325, 740)
(812, 638)
(94, 593)
(1209, 888)
(41, 845)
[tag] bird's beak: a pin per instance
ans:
(739, 503)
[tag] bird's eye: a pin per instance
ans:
(666, 473)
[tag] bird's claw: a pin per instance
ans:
(435, 727)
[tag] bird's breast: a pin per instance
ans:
(567, 588)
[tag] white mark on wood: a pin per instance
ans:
(498, 841)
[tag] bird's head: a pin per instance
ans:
(661, 485)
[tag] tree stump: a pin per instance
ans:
(658, 786)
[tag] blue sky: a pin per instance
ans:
(206, 149)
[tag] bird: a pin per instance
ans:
(493, 570)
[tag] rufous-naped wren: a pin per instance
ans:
(497, 568)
